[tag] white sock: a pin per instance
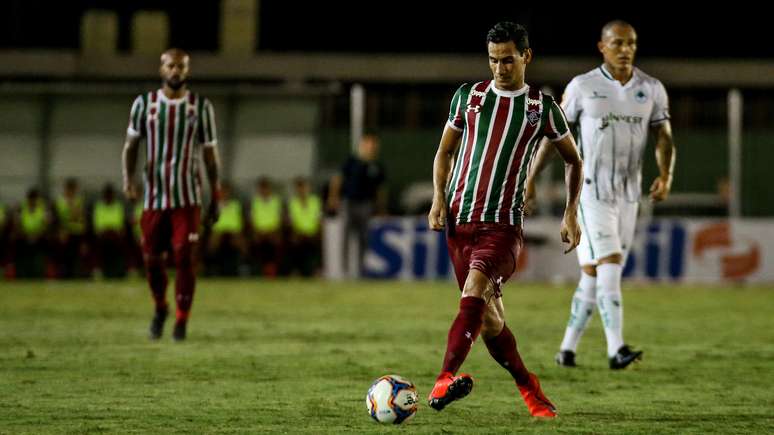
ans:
(583, 303)
(610, 304)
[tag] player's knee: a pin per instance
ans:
(153, 262)
(476, 284)
(183, 257)
(613, 258)
(590, 270)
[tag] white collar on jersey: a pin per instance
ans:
(504, 93)
(610, 77)
(161, 95)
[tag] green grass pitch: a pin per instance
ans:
(298, 357)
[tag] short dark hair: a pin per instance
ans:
(505, 31)
(610, 24)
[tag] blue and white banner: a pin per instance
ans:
(681, 249)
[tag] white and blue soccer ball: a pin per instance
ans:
(392, 399)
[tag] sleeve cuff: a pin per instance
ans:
(659, 121)
(558, 138)
(211, 144)
(132, 132)
(452, 126)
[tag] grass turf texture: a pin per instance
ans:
(298, 357)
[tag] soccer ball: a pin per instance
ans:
(392, 399)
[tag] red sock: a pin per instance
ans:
(503, 350)
(157, 280)
(184, 283)
(463, 332)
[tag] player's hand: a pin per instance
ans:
(529, 197)
(130, 190)
(436, 219)
(570, 232)
(660, 188)
(213, 213)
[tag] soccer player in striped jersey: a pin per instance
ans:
(177, 125)
(613, 106)
(496, 125)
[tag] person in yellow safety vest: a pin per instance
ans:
(71, 247)
(109, 227)
(226, 245)
(266, 227)
(30, 243)
(305, 214)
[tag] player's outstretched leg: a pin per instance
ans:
(502, 347)
(583, 304)
(157, 280)
(462, 334)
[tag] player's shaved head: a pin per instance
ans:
(174, 68)
(174, 53)
(608, 28)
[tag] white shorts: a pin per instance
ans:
(607, 228)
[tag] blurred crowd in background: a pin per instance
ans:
(81, 234)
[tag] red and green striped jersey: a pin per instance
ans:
(174, 130)
(501, 131)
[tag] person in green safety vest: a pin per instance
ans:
(305, 215)
(109, 228)
(226, 244)
(71, 249)
(266, 229)
(31, 236)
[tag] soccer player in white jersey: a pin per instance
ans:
(177, 125)
(497, 125)
(613, 106)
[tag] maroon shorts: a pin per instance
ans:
(491, 248)
(164, 229)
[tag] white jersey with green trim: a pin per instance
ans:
(613, 121)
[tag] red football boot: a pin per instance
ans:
(449, 388)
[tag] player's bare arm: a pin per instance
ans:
(665, 158)
(441, 169)
(573, 174)
(544, 153)
(129, 163)
(212, 166)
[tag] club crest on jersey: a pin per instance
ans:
(191, 116)
(152, 110)
(640, 96)
(533, 116)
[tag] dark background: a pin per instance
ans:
(666, 29)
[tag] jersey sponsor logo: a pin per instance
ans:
(640, 96)
(473, 108)
(476, 93)
(615, 117)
